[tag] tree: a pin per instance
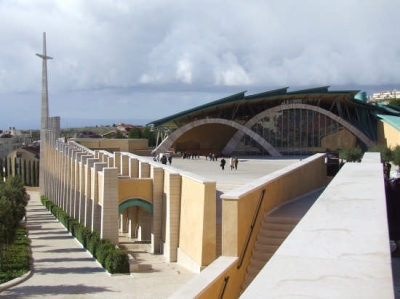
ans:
(351, 154)
(386, 152)
(7, 226)
(395, 102)
(118, 135)
(13, 201)
(135, 133)
(396, 156)
(149, 135)
(14, 191)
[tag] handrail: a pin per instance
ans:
(246, 245)
(226, 279)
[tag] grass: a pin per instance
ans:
(16, 260)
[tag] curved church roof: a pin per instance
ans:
(241, 107)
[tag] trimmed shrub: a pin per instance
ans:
(72, 225)
(103, 249)
(94, 240)
(83, 233)
(117, 262)
(78, 232)
(386, 152)
(351, 154)
(64, 219)
(86, 234)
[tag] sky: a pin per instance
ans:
(139, 61)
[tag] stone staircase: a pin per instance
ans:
(273, 232)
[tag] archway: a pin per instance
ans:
(136, 217)
(135, 202)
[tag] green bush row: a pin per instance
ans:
(112, 258)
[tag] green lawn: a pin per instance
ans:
(16, 260)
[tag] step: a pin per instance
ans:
(277, 226)
(260, 255)
(256, 264)
(273, 241)
(283, 220)
(271, 248)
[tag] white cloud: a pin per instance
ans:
(205, 47)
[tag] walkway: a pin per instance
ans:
(63, 269)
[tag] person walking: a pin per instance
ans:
(231, 163)
(236, 162)
(222, 163)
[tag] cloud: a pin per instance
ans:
(169, 47)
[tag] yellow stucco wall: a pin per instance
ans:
(388, 135)
(237, 215)
(135, 188)
(197, 236)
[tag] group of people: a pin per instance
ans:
(163, 158)
(233, 162)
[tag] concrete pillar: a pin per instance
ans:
(88, 190)
(110, 161)
(76, 184)
(133, 222)
(157, 174)
(144, 170)
(123, 221)
(124, 169)
(117, 161)
(68, 188)
(96, 207)
(173, 185)
(133, 168)
(109, 222)
(144, 225)
(82, 187)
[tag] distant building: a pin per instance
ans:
(12, 139)
(384, 96)
(23, 162)
(87, 134)
(122, 129)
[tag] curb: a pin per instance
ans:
(15, 281)
(23, 277)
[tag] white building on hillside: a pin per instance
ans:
(12, 139)
(385, 96)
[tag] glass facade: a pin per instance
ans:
(297, 132)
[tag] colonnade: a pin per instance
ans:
(120, 192)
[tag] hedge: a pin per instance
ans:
(112, 258)
(117, 262)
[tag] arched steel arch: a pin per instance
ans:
(167, 143)
(231, 145)
(135, 202)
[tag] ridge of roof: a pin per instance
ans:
(232, 98)
(280, 91)
(241, 97)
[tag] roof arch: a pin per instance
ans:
(231, 145)
(169, 141)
